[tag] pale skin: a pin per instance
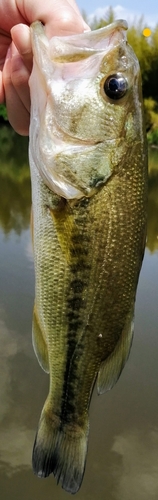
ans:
(60, 17)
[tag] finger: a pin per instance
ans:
(5, 42)
(65, 21)
(19, 77)
(75, 7)
(58, 21)
(22, 40)
(1, 89)
(18, 113)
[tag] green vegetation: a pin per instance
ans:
(3, 113)
(152, 233)
(146, 50)
(14, 153)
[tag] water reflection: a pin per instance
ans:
(15, 194)
(138, 455)
(15, 435)
(152, 236)
(123, 445)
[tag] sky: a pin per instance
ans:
(126, 9)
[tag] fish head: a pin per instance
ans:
(86, 107)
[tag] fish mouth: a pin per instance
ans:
(82, 45)
(88, 43)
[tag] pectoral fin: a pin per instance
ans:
(39, 343)
(112, 367)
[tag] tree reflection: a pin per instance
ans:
(15, 187)
(152, 233)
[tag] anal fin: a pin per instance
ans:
(39, 343)
(112, 367)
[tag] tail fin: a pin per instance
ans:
(61, 449)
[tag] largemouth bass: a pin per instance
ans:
(88, 164)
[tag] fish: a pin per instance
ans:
(88, 162)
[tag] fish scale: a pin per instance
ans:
(89, 196)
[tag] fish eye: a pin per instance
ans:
(115, 86)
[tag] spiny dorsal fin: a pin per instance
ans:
(112, 367)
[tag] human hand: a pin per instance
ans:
(61, 17)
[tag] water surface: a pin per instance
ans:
(122, 461)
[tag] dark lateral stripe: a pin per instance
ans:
(79, 269)
(77, 285)
(75, 303)
(82, 265)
